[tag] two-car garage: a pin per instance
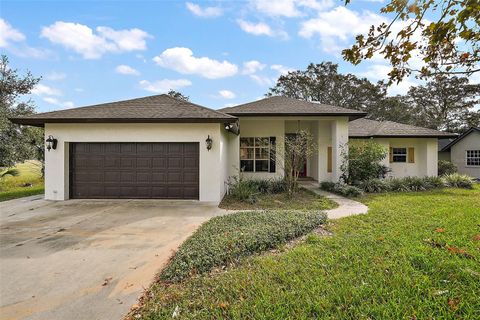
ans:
(134, 170)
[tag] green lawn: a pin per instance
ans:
(12, 187)
(302, 200)
(413, 256)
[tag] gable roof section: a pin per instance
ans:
(283, 106)
(463, 135)
(158, 108)
(366, 128)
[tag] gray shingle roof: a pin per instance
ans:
(366, 128)
(158, 108)
(283, 106)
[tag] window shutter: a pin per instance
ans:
(273, 145)
(329, 159)
(391, 154)
(411, 155)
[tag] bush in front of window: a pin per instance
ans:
(446, 167)
(247, 190)
(363, 161)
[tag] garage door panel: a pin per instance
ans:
(144, 163)
(134, 170)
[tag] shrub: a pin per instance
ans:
(456, 180)
(225, 239)
(434, 182)
(415, 183)
(341, 189)
(446, 168)
(277, 186)
(327, 185)
(374, 186)
(363, 161)
(399, 185)
(244, 190)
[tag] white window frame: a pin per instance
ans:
(254, 148)
(393, 155)
(476, 155)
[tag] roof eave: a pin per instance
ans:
(459, 137)
(402, 136)
(351, 116)
(40, 122)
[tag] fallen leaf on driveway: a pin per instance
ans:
(106, 281)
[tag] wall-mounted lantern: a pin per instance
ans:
(209, 143)
(51, 143)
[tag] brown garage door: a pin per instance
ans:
(134, 170)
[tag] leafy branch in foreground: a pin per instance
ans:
(447, 45)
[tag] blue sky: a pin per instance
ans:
(219, 53)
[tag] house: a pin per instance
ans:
(161, 147)
(413, 151)
(464, 152)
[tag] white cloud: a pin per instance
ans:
(55, 76)
(9, 34)
(289, 8)
(43, 90)
(252, 66)
(82, 39)
(261, 80)
(376, 72)
(182, 60)
(337, 26)
(162, 86)
(208, 12)
(58, 103)
(226, 94)
(261, 29)
(281, 69)
(14, 41)
(124, 69)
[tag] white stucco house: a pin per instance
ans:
(464, 152)
(162, 147)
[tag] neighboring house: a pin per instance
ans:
(161, 147)
(464, 152)
(413, 151)
(442, 143)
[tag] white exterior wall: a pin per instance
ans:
(426, 156)
(213, 164)
(458, 154)
(339, 131)
(329, 132)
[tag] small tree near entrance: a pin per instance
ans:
(298, 148)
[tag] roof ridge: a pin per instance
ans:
(200, 106)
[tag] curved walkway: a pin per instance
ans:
(346, 207)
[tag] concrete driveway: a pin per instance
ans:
(87, 259)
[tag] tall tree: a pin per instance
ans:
(17, 143)
(178, 95)
(322, 83)
(448, 44)
(445, 103)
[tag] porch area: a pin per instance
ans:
(261, 146)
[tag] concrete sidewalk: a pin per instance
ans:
(346, 207)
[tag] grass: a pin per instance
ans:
(222, 240)
(413, 256)
(303, 200)
(12, 187)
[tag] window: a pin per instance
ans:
(399, 155)
(255, 154)
(473, 157)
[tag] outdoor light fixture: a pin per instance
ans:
(209, 142)
(51, 143)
